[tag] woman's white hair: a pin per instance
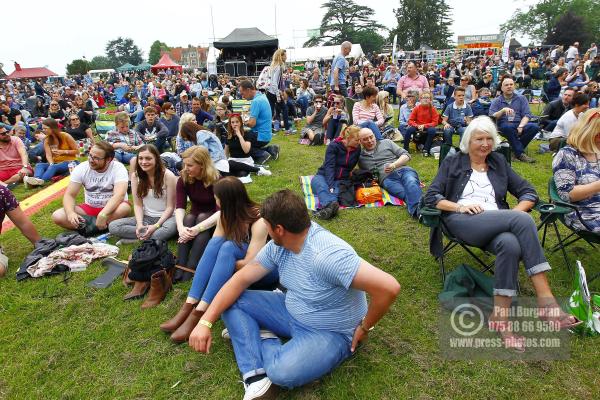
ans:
(478, 125)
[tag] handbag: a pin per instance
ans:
(366, 195)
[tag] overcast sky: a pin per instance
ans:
(53, 33)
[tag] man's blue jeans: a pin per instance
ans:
(404, 184)
(518, 143)
(161, 142)
(303, 101)
(451, 131)
(321, 190)
(372, 126)
(308, 355)
(46, 171)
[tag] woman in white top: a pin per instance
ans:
(153, 189)
(276, 90)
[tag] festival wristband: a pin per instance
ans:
(206, 323)
(103, 215)
(157, 225)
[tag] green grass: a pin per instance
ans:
(61, 339)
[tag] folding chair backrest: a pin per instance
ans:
(349, 106)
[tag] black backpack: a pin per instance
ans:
(150, 257)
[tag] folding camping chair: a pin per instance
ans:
(432, 218)
(349, 106)
(556, 211)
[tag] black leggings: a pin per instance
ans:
(189, 253)
(238, 169)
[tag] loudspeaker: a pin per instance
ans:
(230, 68)
(241, 68)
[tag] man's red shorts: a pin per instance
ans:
(93, 211)
(8, 173)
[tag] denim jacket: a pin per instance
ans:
(212, 143)
(454, 174)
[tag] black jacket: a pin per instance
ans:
(554, 110)
(455, 171)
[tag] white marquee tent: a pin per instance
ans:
(324, 52)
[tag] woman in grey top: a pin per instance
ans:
(153, 189)
(276, 90)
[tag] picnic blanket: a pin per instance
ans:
(312, 202)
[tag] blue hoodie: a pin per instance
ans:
(339, 162)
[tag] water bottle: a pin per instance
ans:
(72, 165)
(101, 238)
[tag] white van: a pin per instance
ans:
(97, 74)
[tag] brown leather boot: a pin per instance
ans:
(126, 281)
(182, 334)
(138, 291)
(171, 325)
(160, 285)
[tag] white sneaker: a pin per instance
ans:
(3, 263)
(259, 389)
(264, 334)
(126, 241)
(263, 172)
(32, 181)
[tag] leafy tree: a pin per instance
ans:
(423, 22)
(370, 41)
(101, 62)
(155, 50)
(78, 66)
(541, 18)
(569, 28)
(342, 20)
(123, 50)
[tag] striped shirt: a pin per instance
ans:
(362, 114)
(318, 281)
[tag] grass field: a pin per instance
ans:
(62, 340)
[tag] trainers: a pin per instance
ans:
(525, 158)
(275, 152)
(328, 212)
(263, 389)
(262, 161)
(426, 154)
(264, 334)
(32, 181)
(263, 172)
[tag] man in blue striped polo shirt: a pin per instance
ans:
(324, 312)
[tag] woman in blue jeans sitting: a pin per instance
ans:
(60, 149)
(239, 236)
(340, 159)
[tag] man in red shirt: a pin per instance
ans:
(14, 164)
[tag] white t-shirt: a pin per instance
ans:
(572, 52)
(479, 190)
(99, 186)
(564, 125)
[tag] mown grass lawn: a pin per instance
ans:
(61, 339)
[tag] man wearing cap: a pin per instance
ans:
(183, 105)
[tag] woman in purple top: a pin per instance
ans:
(195, 229)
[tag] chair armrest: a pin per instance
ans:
(430, 217)
(552, 208)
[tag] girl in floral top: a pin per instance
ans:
(577, 172)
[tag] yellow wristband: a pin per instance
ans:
(157, 225)
(103, 215)
(206, 323)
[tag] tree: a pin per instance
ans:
(569, 28)
(423, 22)
(342, 20)
(541, 18)
(370, 41)
(77, 67)
(101, 62)
(123, 50)
(155, 50)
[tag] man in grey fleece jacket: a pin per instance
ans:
(390, 162)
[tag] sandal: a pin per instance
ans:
(510, 340)
(554, 314)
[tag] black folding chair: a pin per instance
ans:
(556, 212)
(432, 218)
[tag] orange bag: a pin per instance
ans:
(366, 195)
